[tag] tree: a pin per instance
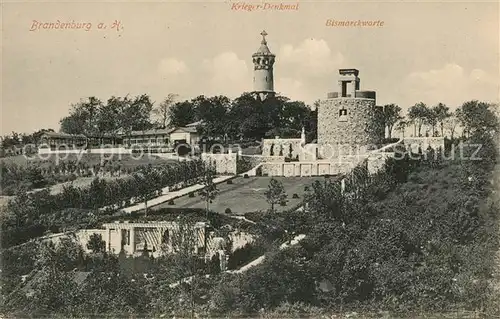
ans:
(137, 113)
(417, 114)
(392, 114)
(442, 113)
(80, 119)
(96, 244)
(401, 126)
(181, 114)
(275, 193)
(430, 119)
(478, 117)
(148, 182)
(162, 110)
(212, 112)
(451, 122)
(209, 191)
(183, 265)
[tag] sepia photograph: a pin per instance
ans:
(250, 159)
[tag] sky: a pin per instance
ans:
(427, 52)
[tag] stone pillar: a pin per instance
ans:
(352, 88)
(132, 240)
(109, 239)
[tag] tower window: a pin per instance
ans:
(266, 78)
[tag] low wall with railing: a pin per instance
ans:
(111, 150)
(423, 143)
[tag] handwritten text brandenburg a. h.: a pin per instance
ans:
(268, 6)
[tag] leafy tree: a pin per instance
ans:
(148, 183)
(137, 114)
(96, 243)
(181, 114)
(212, 112)
(92, 117)
(478, 116)
(161, 111)
(442, 113)
(417, 114)
(402, 125)
(82, 117)
(275, 193)
(430, 119)
(391, 114)
(451, 122)
(209, 191)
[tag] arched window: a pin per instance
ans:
(343, 115)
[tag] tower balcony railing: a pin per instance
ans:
(357, 94)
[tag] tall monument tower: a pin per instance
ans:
(263, 61)
(348, 119)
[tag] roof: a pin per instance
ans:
(187, 129)
(264, 49)
(195, 123)
(63, 135)
(349, 72)
(150, 132)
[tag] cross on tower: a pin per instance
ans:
(263, 34)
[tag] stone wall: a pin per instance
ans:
(282, 144)
(358, 127)
(312, 168)
(224, 163)
(414, 143)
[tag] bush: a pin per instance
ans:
(245, 176)
(295, 195)
(228, 211)
(191, 195)
(171, 202)
(229, 182)
(245, 254)
(255, 216)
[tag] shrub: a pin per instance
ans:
(245, 176)
(258, 171)
(191, 195)
(295, 195)
(228, 211)
(255, 216)
(229, 182)
(245, 254)
(171, 202)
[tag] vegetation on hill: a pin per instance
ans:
(29, 215)
(419, 235)
(28, 174)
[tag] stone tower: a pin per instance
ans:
(263, 61)
(349, 120)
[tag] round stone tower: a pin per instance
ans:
(263, 61)
(349, 121)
